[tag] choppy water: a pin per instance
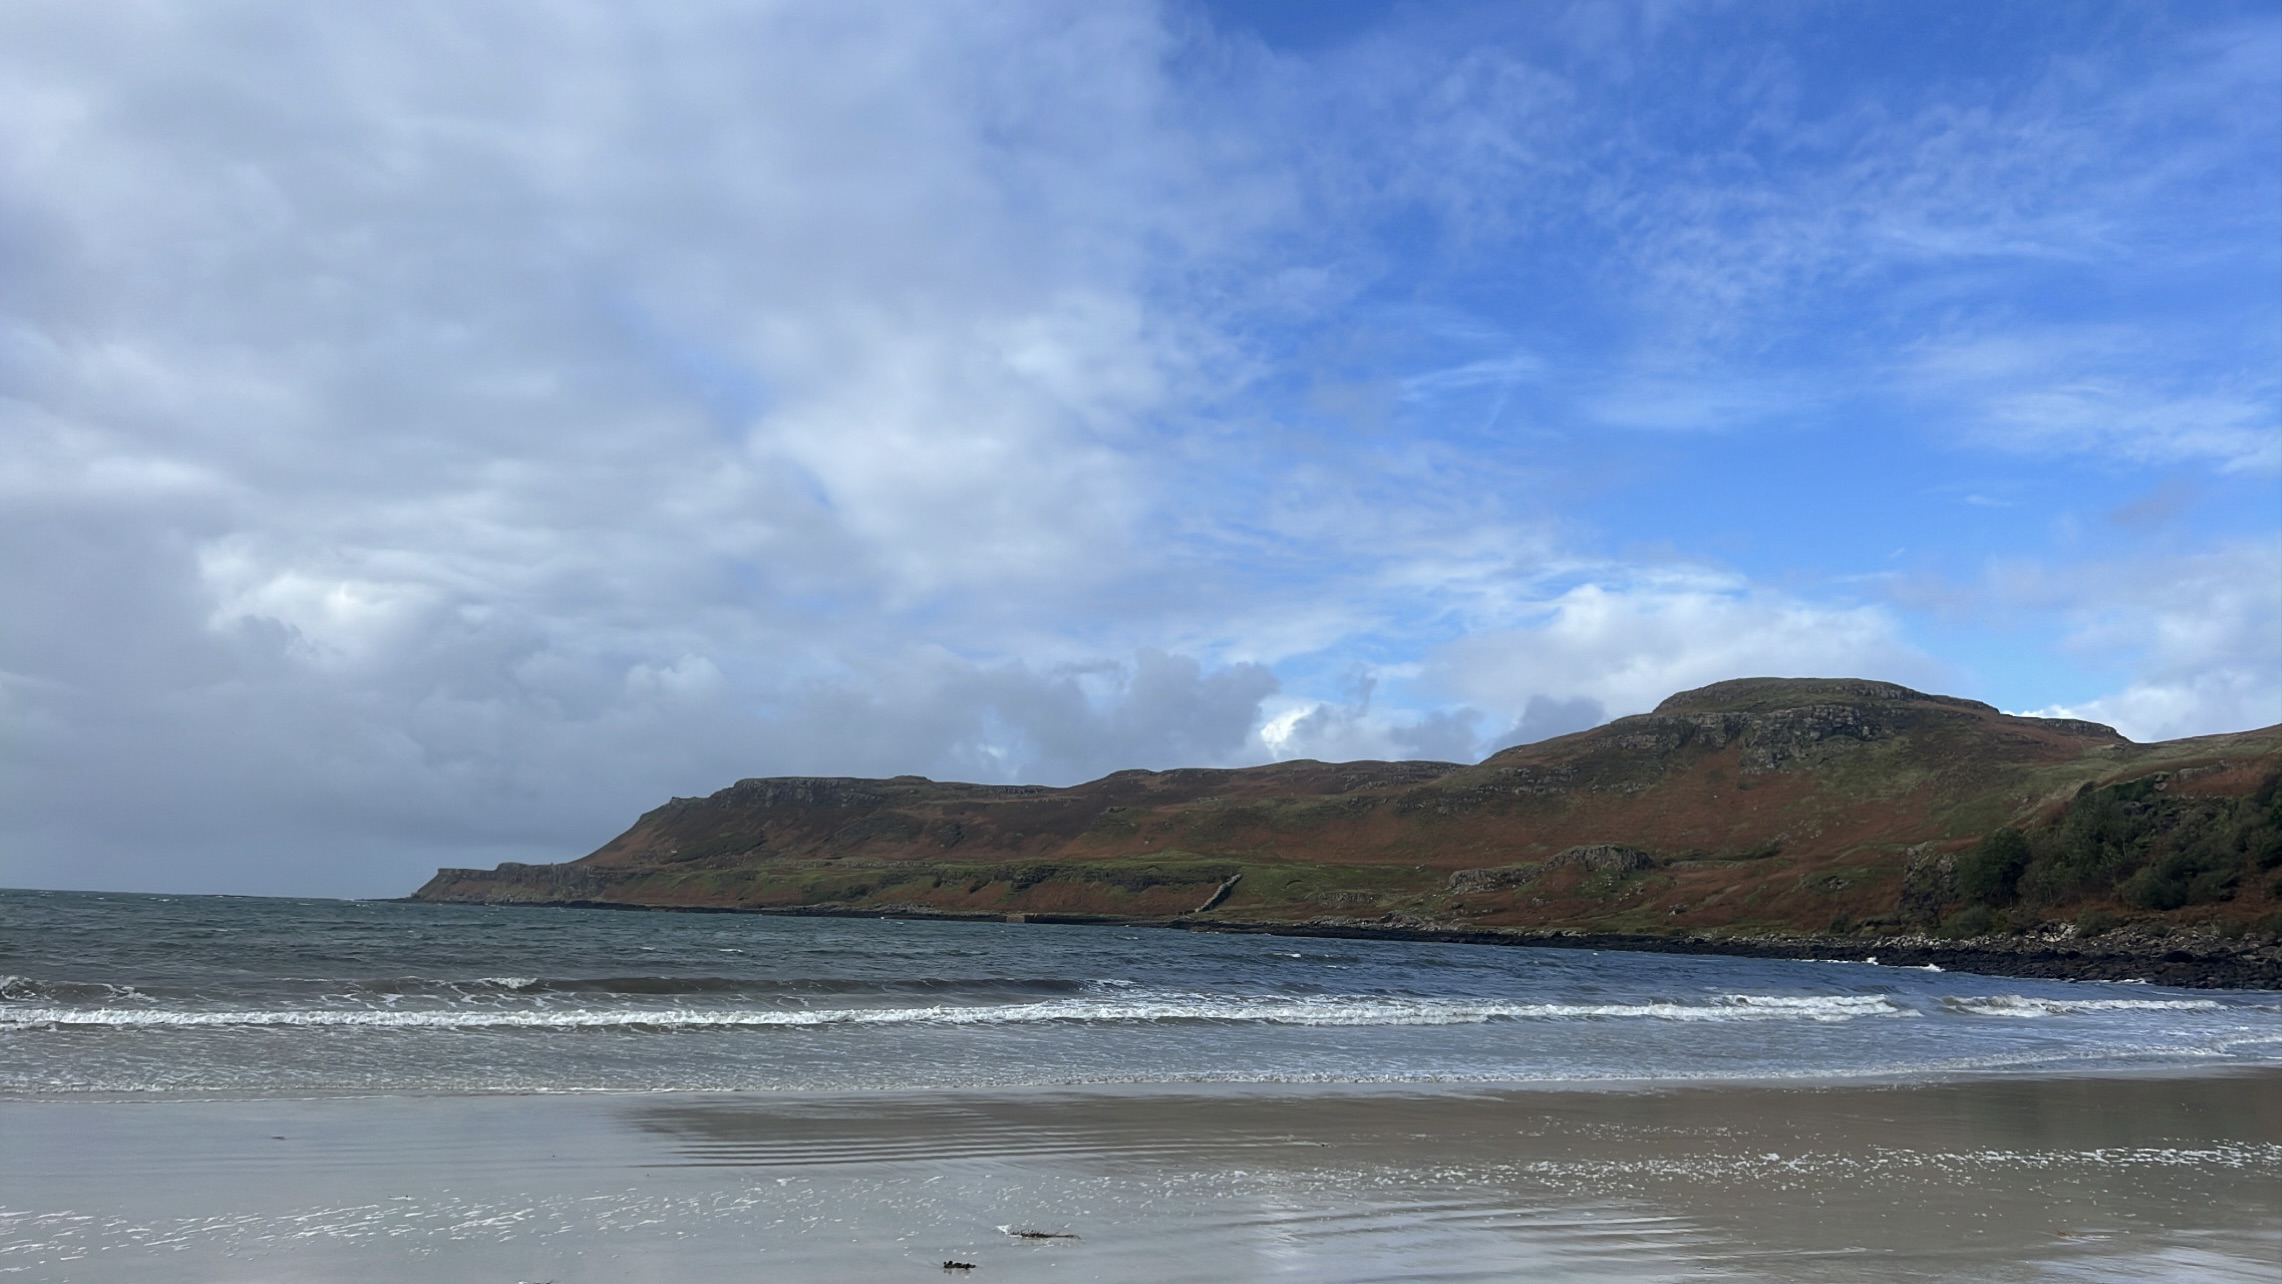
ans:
(163, 995)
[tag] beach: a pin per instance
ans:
(2031, 1179)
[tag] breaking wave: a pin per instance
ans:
(718, 986)
(397, 989)
(2021, 1005)
(1315, 1011)
(21, 989)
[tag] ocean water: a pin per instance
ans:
(187, 996)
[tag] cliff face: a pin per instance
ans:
(1751, 805)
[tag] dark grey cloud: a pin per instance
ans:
(1447, 735)
(293, 782)
(440, 433)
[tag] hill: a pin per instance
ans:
(1846, 811)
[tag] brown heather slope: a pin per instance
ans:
(1840, 809)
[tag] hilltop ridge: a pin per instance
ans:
(1838, 807)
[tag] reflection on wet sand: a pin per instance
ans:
(2086, 1178)
(1983, 1179)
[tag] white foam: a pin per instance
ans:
(1321, 1011)
(2021, 1005)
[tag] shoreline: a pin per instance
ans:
(1200, 1089)
(2194, 963)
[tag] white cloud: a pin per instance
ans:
(1542, 660)
(2199, 635)
(1353, 730)
(2098, 392)
(1628, 643)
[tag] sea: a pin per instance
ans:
(191, 995)
(161, 1055)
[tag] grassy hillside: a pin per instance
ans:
(1831, 806)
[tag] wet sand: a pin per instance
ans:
(1994, 1179)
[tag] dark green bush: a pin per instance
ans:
(1990, 874)
(2154, 889)
(2154, 850)
(2261, 839)
(1973, 920)
(2096, 843)
(2183, 878)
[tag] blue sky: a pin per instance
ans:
(434, 434)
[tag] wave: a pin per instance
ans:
(2021, 1005)
(1325, 1011)
(20, 989)
(720, 985)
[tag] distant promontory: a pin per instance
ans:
(1839, 817)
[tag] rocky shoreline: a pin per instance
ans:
(2128, 953)
(2192, 962)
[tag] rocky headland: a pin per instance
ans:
(1834, 818)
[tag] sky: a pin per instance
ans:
(435, 433)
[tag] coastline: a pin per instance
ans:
(2123, 954)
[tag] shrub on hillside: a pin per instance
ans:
(2183, 878)
(2152, 849)
(1990, 874)
(1973, 920)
